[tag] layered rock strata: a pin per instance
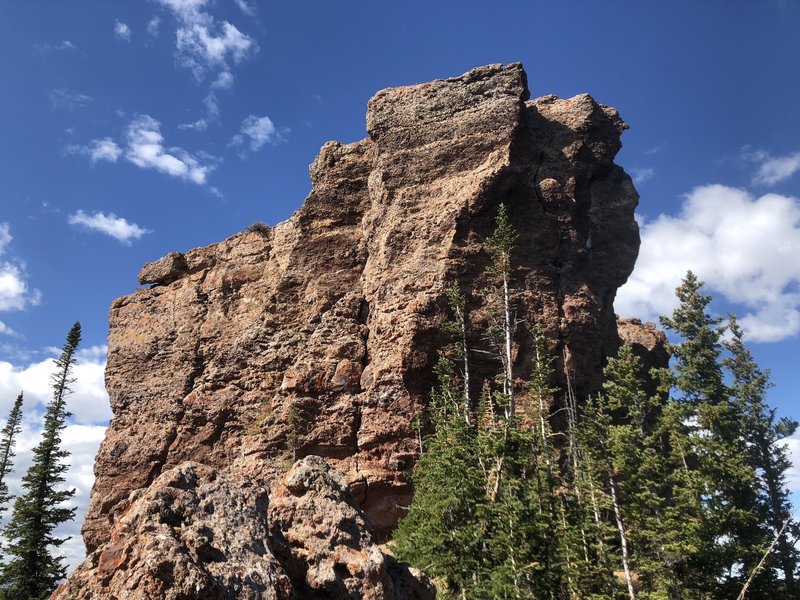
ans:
(318, 336)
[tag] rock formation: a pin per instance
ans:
(318, 336)
(197, 533)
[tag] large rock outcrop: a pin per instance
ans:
(318, 336)
(197, 533)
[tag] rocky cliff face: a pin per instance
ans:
(318, 336)
(198, 533)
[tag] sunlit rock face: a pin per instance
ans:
(198, 533)
(318, 336)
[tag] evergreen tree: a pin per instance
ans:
(714, 481)
(33, 572)
(627, 424)
(763, 433)
(440, 533)
(500, 246)
(7, 436)
(479, 523)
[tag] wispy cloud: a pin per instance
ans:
(246, 7)
(211, 104)
(122, 31)
(744, 247)
(641, 175)
(203, 44)
(70, 99)
(104, 149)
(145, 149)
(655, 149)
(5, 237)
(153, 26)
(774, 169)
(15, 293)
(255, 132)
(64, 46)
(6, 330)
(117, 227)
(224, 81)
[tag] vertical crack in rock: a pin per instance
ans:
(336, 311)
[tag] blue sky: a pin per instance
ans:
(130, 129)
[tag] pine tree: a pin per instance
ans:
(763, 433)
(440, 534)
(713, 482)
(500, 246)
(479, 522)
(7, 436)
(628, 421)
(33, 572)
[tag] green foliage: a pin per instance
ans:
(32, 571)
(501, 243)
(439, 534)
(713, 477)
(763, 432)
(7, 436)
(677, 495)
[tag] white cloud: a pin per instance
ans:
(5, 237)
(202, 43)
(15, 293)
(643, 174)
(6, 330)
(66, 98)
(255, 132)
(153, 26)
(744, 248)
(793, 475)
(248, 9)
(117, 227)
(122, 31)
(146, 149)
(88, 403)
(200, 50)
(199, 125)
(64, 46)
(212, 113)
(224, 81)
(775, 169)
(97, 150)
(655, 149)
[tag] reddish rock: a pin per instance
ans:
(648, 343)
(323, 539)
(318, 336)
(199, 533)
(194, 533)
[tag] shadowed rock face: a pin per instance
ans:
(318, 336)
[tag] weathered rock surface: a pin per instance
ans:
(322, 537)
(198, 533)
(648, 342)
(319, 336)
